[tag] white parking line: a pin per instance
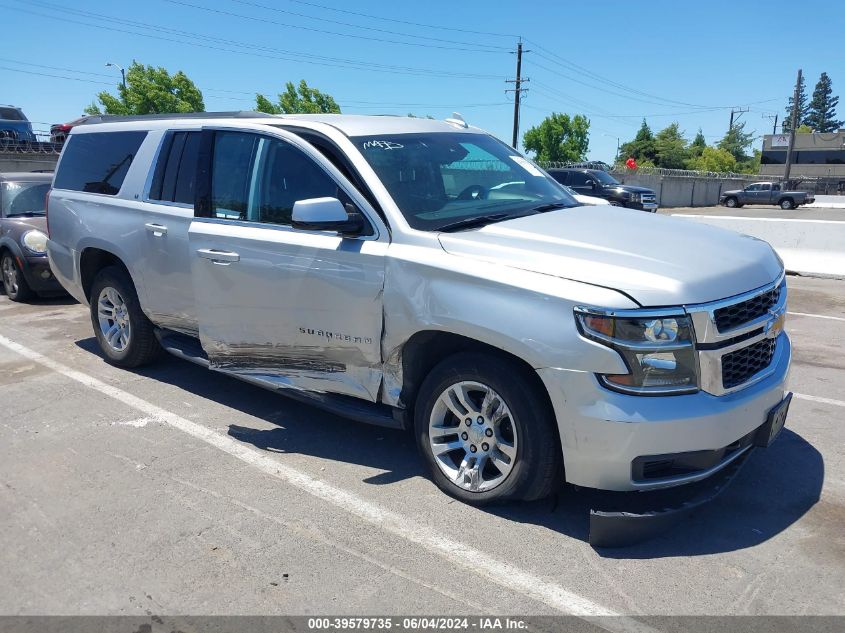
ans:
(498, 571)
(817, 316)
(820, 400)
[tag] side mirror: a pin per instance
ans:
(327, 214)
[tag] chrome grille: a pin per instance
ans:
(733, 316)
(741, 365)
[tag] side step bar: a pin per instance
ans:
(188, 348)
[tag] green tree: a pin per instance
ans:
(803, 129)
(752, 165)
(786, 126)
(150, 90)
(642, 148)
(559, 138)
(737, 141)
(670, 147)
(713, 159)
(298, 100)
(697, 146)
(821, 113)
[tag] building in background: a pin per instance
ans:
(817, 157)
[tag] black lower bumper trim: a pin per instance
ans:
(629, 520)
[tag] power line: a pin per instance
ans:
(370, 16)
(368, 28)
(250, 49)
(30, 72)
(325, 32)
(70, 70)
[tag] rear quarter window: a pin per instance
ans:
(98, 162)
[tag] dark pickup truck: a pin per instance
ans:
(598, 183)
(766, 193)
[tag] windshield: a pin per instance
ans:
(441, 178)
(604, 178)
(23, 198)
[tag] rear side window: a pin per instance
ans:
(98, 162)
(560, 176)
(578, 179)
(11, 114)
(176, 169)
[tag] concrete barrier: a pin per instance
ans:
(830, 202)
(809, 247)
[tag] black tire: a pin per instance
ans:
(14, 282)
(732, 203)
(787, 204)
(142, 346)
(536, 470)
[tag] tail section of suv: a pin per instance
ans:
(599, 183)
(372, 266)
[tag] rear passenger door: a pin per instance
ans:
(298, 308)
(167, 213)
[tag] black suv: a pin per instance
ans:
(595, 182)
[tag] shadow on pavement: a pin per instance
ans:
(775, 488)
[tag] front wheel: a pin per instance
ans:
(731, 203)
(14, 283)
(486, 431)
(126, 336)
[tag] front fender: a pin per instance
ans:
(526, 314)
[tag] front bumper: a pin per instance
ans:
(651, 207)
(39, 276)
(603, 432)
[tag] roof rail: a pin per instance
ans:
(120, 118)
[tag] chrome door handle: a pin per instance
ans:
(159, 230)
(219, 257)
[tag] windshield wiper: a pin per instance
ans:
(479, 220)
(552, 206)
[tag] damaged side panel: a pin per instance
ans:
(302, 310)
(523, 313)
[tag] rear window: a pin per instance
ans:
(11, 114)
(97, 163)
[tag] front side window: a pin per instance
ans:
(259, 179)
(23, 198)
(604, 178)
(579, 179)
(437, 179)
(97, 162)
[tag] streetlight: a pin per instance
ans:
(122, 72)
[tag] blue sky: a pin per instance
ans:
(613, 61)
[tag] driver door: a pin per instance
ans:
(301, 309)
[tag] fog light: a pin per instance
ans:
(46, 274)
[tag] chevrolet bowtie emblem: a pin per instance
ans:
(775, 325)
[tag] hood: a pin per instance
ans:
(657, 260)
(731, 192)
(23, 224)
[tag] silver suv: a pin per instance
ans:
(422, 274)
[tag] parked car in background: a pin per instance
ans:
(23, 236)
(588, 200)
(14, 126)
(769, 193)
(59, 131)
(600, 184)
(375, 267)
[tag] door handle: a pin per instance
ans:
(219, 257)
(159, 230)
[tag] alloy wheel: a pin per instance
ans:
(472, 436)
(113, 317)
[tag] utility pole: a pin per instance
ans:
(775, 117)
(793, 125)
(740, 112)
(517, 91)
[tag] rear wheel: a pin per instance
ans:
(126, 336)
(486, 431)
(14, 283)
(786, 204)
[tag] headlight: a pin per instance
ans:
(658, 350)
(35, 242)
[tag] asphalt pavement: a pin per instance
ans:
(763, 211)
(174, 490)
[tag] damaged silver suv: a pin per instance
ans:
(422, 274)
